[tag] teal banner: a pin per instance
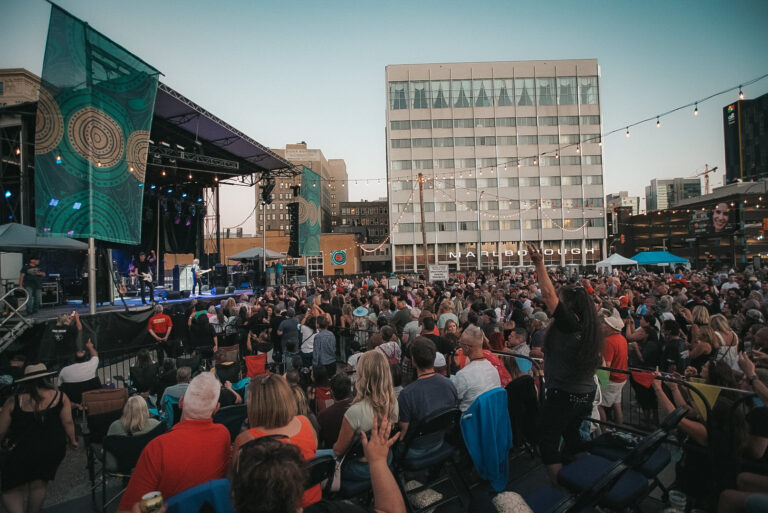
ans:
(92, 134)
(309, 214)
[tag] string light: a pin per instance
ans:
(658, 123)
(189, 176)
(163, 172)
(741, 94)
(627, 132)
(696, 109)
(578, 150)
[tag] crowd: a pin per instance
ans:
(346, 357)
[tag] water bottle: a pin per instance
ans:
(677, 501)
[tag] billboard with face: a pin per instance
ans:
(720, 219)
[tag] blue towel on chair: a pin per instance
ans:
(488, 436)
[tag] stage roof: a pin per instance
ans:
(173, 107)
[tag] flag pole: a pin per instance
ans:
(91, 275)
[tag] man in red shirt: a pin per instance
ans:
(615, 357)
(195, 451)
(159, 328)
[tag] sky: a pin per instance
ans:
(296, 70)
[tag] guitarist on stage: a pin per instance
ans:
(144, 272)
(197, 275)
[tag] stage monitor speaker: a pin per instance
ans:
(186, 293)
(230, 289)
(170, 295)
(220, 278)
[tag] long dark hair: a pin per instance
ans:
(33, 387)
(589, 354)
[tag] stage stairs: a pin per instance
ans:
(13, 323)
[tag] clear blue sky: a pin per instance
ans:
(289, 71)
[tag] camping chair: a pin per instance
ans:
(439, 424)
(323, 399)
(172, 410)
(232, 417)
(241, 387)
(256, 365)
(228, 371)
(319, 469)
(124, 451)
(212, 496)
(615, 485)
(193, 362)
(75, 390)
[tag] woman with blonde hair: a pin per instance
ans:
(273, 410)
(728, 341)
(700, 318)
(703, 349)
(135, 421)
(375, 399)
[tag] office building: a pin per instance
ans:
(623, 199)
(333, 176)
(663, 194)
(745, 128)
(18, 86)
(510, 153)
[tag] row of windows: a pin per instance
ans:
(363, 210)
(501, 92)
(502, 205)
(426, 124)
(505, 224)
(470, 163)
(491, 140)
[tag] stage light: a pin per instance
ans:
(189, 176)
(18, 151)
(77, 205)
(169, 191)
(163, 172)
(8, 194)
(215, 178)
(177, 221)
(188, 223)
(184, 195)
(58, 159)
(153, 187)
(53, 202)
(199, 200)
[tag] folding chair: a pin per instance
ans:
(438, 425)
(256, 365)
(213, 496)
(75, 391)
(232, 417)
(350, 489)
(320, 468)
(125, 450)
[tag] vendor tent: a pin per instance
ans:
(17, 238)
(659, 258)
(614, 260)
(256, 253)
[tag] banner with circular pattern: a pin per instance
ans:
(310, 214)
(338, 257)
(92, 134)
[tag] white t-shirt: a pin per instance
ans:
(307, 339)
(78, 372)
(522, 349)
(473, 380)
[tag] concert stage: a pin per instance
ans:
(113, 330)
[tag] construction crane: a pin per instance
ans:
(705, 174)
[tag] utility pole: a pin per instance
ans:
(423, 227)
(479, 236)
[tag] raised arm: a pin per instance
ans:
(548, 293)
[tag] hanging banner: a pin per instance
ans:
(92, 134)
(310, 226)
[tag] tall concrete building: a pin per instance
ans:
(745, 128)
(623, 199)
(663, 194)
(333, 175)
(510, 153)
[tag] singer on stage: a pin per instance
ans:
(143, 270)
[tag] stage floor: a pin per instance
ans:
(133, 303)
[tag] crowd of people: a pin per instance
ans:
(346, 357)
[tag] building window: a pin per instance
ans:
(566, 90)
(489, 225)
(548, 139)
(464, 206)
(398, 95)
(464, 141)
(461, 93)
(569, 138)
(529, 181)
(549, 161)
(573, 160)
(424, 142)
(590, 138)
(593, 180)
(554, 222)
(569, 120)
(465, 163)
(572, 202)
(486, 182)
(593, 202)
(505, 122)
(590, 120)
(401, 143)
(421, 124)
(422, 164)
(1, 88)
(546, 93)
(482, 91)
(444, 164)
(588, 160)
(485, 141)
(551, 203)
(550, 180)
(489, 205)
(527, 139)
(399, 125)
(467, 225)
(526, 121)
(466, 183)
(441, 94)
(506, 140)
(505, 91)
(573, 222)
(524, 91)
(442, 123)
(510, 182)
(513, 224)
(419, 95)
(588, 90)
(531, 224)
(443, 142)
(571, 180)
(488, 162)
(399, 165)
(548, 121)
(485, 122)
(464, 123)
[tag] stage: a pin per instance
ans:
(113, 330)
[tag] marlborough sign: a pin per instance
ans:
(522, 252)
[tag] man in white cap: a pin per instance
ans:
(615, 357)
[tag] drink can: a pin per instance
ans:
(151, 502)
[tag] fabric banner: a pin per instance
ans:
(710, 393)
(92, 134)
(309, 213)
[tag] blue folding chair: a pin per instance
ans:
(213, 493)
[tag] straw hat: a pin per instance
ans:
(614, 320)
(37, 371)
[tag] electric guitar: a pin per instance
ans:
(146, 277)
(199, 274)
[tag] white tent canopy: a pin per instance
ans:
(614, 260)
(255, 254)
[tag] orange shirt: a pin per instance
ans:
(305, 441)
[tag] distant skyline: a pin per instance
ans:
(306, 71)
